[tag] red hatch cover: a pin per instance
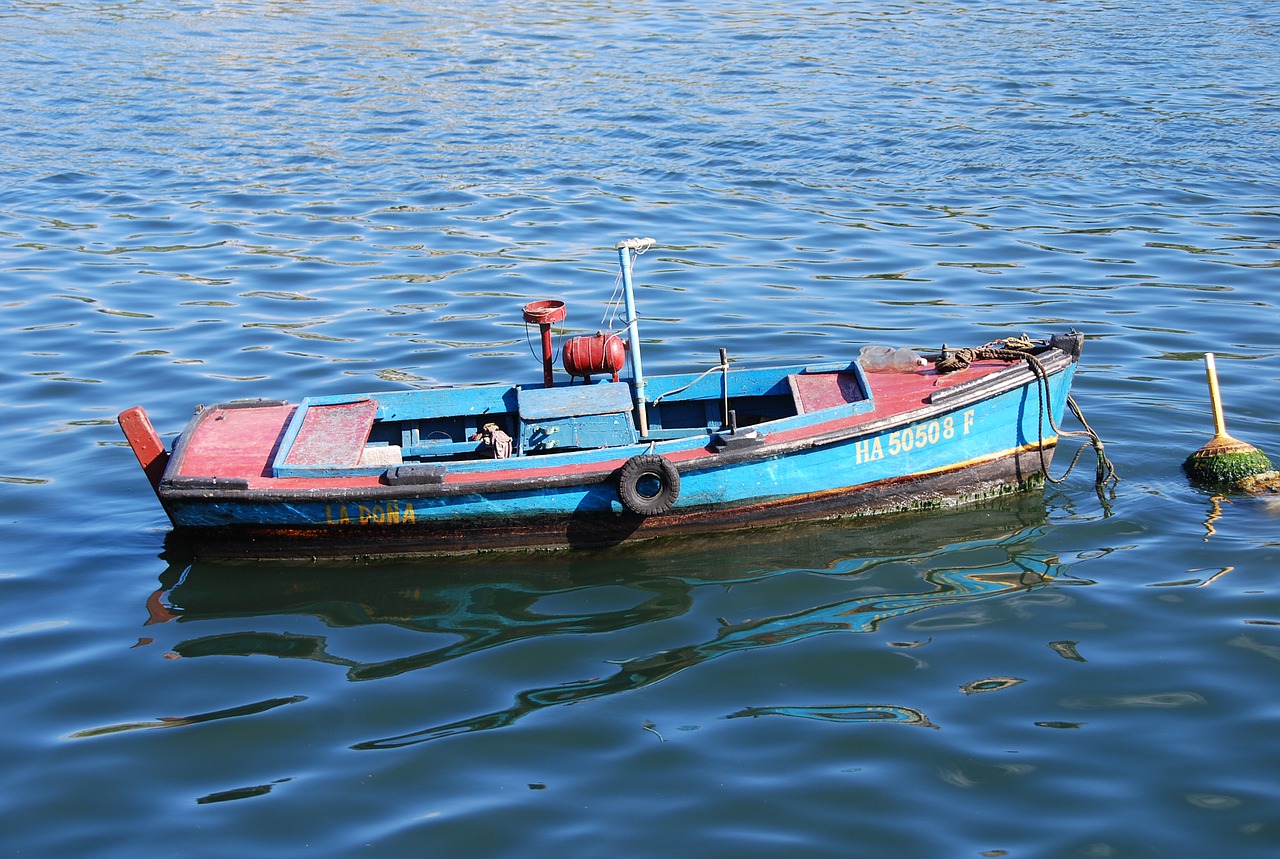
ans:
(824, 390)
(333, 434)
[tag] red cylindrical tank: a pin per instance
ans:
(597, 353)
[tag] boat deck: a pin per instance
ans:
(240, 441)
(236, 442)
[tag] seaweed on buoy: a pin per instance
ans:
(1223, 460)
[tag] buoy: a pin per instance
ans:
(1223, 460)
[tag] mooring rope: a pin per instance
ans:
(1013, 349)
(1105, 472)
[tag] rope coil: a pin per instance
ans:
(1010, 349)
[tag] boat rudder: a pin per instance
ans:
(145, 443)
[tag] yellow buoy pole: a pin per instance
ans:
(1215, 397)
(1223, 459)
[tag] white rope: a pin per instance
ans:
(609, 320)
(721, 367)
(611, 308)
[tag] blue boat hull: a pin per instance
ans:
(968, 442)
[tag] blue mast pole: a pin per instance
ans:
(626, 249)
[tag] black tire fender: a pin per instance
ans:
(648, 484)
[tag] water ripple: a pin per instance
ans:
(255, 198)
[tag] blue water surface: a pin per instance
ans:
(205, 201)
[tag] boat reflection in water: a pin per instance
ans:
(920, 563)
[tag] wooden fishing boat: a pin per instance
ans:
(592, 460)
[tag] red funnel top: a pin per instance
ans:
(544, 312)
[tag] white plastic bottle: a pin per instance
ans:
(886, 359)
